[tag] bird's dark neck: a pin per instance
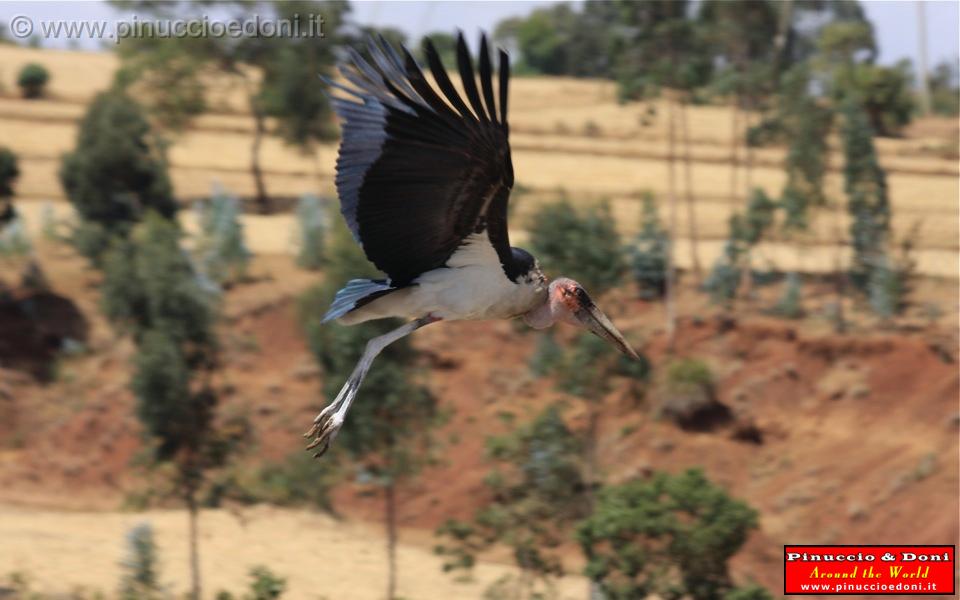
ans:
(521, 265)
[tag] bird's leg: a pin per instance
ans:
(327, 424)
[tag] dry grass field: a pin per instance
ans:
(568, 135)
(322, 558)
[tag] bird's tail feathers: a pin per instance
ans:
(355, 294)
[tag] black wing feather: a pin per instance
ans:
(486, 79)
(504, 80)
(419, 172)
(465, 63)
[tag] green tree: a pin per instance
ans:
(388, 435)
(538, 493)
(9, 172)
(846, 54)
(665, 49)
(945, 88)
(151, 291)
(669, 535)
(865, 184)
(114, 175)
(222, 255)
(33, 80)
(311, 232)
(743, 34)
(806, 125)
(746, 231)
(266, 585)
(141, 572)
(288, 90)
(565, 40)
(649, 254)
(581, 244)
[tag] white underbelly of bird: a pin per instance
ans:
(472, 286)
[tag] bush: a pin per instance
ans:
(649, 254)
(548, 355)
(689, 372)
(298, 480)
(9, 171)
(945, 89)
(266, 585)
(790, 305)
(114, 177)
(867, 201)
(311, 226)
(886, 289)
(222, 255)
(141, 577)
(688, 395)
(746, 231)
(667, 536)
(32, 80)
(538, 491)
(587, 367)
(580, 244)
(14, 240)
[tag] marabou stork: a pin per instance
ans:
(423, 181)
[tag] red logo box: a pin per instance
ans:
(869, 570)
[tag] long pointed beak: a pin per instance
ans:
(597, 322)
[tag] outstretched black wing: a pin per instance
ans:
(418, 172)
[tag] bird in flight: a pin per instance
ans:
(424, 180)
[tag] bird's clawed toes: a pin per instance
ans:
(323, 431)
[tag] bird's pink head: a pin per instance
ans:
(568, 302)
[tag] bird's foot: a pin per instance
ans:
(324, 429)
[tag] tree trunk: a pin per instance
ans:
(389, 493)
(688, 189)
(840, 279)
(735, 150)
(780, 41)
(261, 200)
(746, 275)
(194, 547)
(922, 43)
(671, 254)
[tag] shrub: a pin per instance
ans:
(141, 577)
(885, 289)
(649, 254)
(547, 356)
(581, 244)
(867, 201)
(746, 231)
(266, 585)
(587, 367)
(32, 80)
(114, 176)
(688, 395)
(666, 536)
(9, 171)
(298, 480)
(790, 305)
(311, 226)
(538, 491)
(945, 89)
(49, 225)
(221, 253)
(14, 240)
(689, 372)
